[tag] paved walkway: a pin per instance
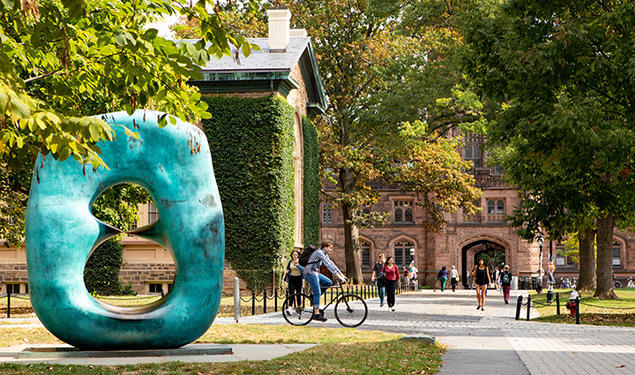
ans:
(492, 341)
(489, 341)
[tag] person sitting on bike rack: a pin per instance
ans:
(311, 274)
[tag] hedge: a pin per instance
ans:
(251, 142)
(101, 274)
(311, 230)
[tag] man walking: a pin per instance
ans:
(506, 281)
(379, 276)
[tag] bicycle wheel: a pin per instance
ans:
(351, 310)
(297, 314)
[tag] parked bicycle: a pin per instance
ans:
(350, 308)
(616, 283)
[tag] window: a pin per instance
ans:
(403, 211)
(616, 250)
(155, 288)
(402, 253)
(490, 207)
(496, 210)
(13, 288)
(561, 257)
(500, 207)
(365, 254)
(472, 150)
(327, 213)
(153, 213)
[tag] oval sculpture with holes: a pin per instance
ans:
(175, 166)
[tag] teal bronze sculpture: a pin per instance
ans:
(174, 164)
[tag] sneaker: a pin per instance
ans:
(478, 307)
(381, 305)
(321, 313)
(482, 308)
(392, 309)
(319, 318)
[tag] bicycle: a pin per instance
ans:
(350, 309)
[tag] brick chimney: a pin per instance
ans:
(279, 29)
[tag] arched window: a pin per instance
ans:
(403, 211)
(490, 207)
(402, 253)
(365, 245)
(616, 249)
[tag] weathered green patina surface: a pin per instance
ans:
(174, 164)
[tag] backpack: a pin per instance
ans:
(505, 278)
(306, 254)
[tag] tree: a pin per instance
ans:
(57, 59)
(364, 53)
(562, 74)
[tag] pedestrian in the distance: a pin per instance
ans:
(378, 277)
(454, 278)
(481, 279)
(294, 276)
(506, 282)
(497, 280)
(392, 281)
(443, 277)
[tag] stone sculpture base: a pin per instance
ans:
(70, 352)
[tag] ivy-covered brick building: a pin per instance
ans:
(264, 150)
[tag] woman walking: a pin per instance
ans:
(392, 280)
(294, 276)
(481, 280)
(443, 277)
(379, 277)
(454, 278)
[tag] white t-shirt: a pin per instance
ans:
(454, 274)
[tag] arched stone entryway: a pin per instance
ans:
(495, 254)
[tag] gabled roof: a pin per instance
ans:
(267, 71)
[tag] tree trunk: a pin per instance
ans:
(352, 252)
(604, 271)
(351, 247)
(586, 279)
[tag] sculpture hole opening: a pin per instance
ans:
(128, 271)
(126, 207)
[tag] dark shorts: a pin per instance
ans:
(479, 284)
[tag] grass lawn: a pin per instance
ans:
(619, 312)
(341, 350)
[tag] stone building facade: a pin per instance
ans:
(465, 238)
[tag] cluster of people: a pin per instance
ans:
(481, 279)
(387, 279)
(385, 275)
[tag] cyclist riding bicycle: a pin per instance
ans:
(311, 274)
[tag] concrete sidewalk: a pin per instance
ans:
(241, 352)
(491, 341)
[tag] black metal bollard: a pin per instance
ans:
(253, 302)
(331, 294)
(275, 301)
(519, 304)
(364, 292)
(577, 310)
(8, 304)
(528, 306)
(325, 297)
(264, 301)
(558, 303)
